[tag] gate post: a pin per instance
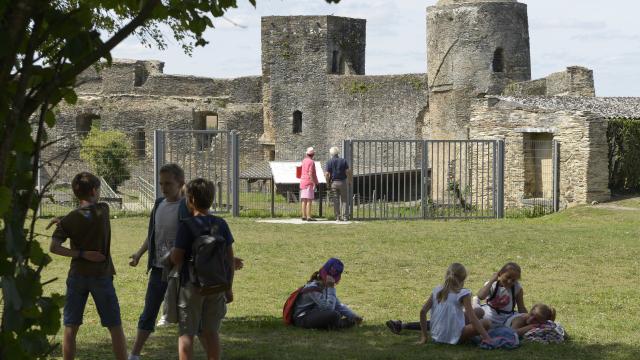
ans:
(348, 156)
(499, 180)
(556, 175)
(158, 159)
(424, 170)
(235, 174)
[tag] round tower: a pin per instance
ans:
(474, 48)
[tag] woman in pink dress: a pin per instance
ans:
(308, 182)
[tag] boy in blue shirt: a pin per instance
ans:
(91, 270)
(199, 312)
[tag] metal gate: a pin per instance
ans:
(425, 179)
(210, 154)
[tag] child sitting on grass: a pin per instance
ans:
(318, 307)
(502, 293)
(453, 319)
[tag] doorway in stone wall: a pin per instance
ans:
(538, 165)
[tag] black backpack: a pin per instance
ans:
(208, 267)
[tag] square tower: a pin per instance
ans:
(298, 54)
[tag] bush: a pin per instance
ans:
(109, 154)
(623, 136)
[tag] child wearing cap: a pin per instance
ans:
(318, 307)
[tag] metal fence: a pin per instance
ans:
(261, 197)
(125, 174)
(532, 177)
(392, 179)
(210, 154)
(423, 179)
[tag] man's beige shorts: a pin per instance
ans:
(197, 312)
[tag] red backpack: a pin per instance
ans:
(287, 309)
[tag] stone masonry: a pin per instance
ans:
(313, 91)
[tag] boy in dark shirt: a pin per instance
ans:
(91, 270)
(200, 313)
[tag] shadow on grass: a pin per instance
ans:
(265, 337)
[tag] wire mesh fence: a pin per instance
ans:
(126, 175)
(531, 177)
(201, 154)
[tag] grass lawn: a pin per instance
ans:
(584, 261)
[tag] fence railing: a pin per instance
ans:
(392, 179)
(421, 179)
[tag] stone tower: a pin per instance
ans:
(474, 48)
(299, 53)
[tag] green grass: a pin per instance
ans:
(584, 261)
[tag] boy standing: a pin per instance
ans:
(199, 311)
(163, 226)
(91, 270)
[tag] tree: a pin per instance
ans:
(46, 44)
(109, 154)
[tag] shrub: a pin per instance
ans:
(623, 136)
(109, 154)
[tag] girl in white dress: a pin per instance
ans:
(453, 319)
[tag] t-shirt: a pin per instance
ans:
(447, 317)
(88, 228)
(337, 167)
(185, 238)
(503, 299)
(165, 227)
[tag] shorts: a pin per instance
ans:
(307, 193)
(199, 312)
(498, 319)
(104, 296)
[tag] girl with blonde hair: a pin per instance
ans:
(453, 319)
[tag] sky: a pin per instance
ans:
(600, 35)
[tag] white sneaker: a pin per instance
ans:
(161, 323)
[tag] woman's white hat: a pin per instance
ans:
(310, 150)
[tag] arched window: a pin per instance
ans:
(498, 60)
(297, 122)
(84, 123)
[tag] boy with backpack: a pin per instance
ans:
(91, 270)
(203, 247)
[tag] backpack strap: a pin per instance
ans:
(513, 298)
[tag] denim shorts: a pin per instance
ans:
(104, 296)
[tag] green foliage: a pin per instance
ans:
(45, 45)
(623, 136)
(361, 87)
(109, 154)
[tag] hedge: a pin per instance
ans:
(623, 136)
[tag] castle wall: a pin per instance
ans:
(574, 81)
(583, 147)
(375, 107)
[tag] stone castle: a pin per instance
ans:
(313, 91)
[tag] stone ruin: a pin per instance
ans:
(313, 91)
